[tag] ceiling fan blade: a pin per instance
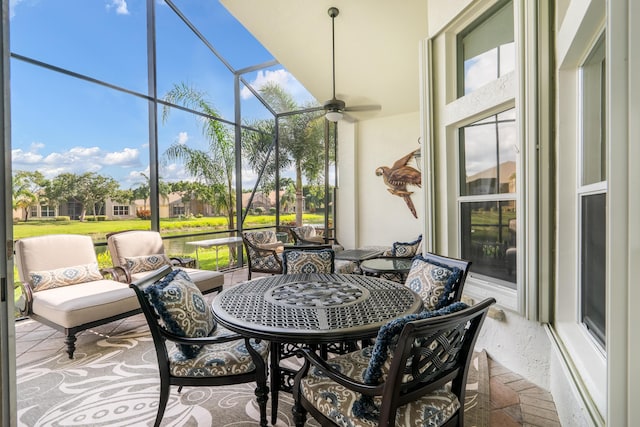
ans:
(364, 108)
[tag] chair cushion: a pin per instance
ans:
(182, 308)
(49, 279)
(336, 402)
(406, 249)
(434, 282)
(309, 261)
(139, 264)
(214, 360)
(274, 246)
(379, 360)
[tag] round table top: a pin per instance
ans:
(313, 308)
(386, 265)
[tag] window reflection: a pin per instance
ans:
(487, 50)
(489, 239)
(488, 152)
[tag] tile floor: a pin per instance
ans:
(514, 400)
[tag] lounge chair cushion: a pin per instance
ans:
(182, 309)
(72, 306)
(139, 264)
(49, 279)
(432, 281)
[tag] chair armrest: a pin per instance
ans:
(311, 358)
(26, 305)
(200, 340)
(119, 274)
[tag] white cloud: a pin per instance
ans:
(74, 160)
(183, 137)
(128, 156)
(120, 6)
(12, 7)
(25, 157)
(284, 79)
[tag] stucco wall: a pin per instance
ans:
(381, 218)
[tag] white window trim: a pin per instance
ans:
(586, 357)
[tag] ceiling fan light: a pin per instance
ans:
(333, 116)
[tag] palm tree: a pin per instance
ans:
(214, 167)
(301, 141)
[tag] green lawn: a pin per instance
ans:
(169, 227)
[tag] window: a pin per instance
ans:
(592, 192)
(177, 210)
(48, 211)
(488, 196)
(121, 211)
(487, 49)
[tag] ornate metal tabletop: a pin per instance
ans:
(313, 308)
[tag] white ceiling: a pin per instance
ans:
(376, 47)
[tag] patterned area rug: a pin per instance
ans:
(114, 382)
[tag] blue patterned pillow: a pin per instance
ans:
(406, 249)
(434, 282)
(140, 264)
(320, 261)
(182, 308)
(385, 341)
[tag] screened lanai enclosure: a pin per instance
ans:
(166, 116)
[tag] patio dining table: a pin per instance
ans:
(310, 309)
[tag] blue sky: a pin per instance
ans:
(62, 124)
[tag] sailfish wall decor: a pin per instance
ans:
(399, 176)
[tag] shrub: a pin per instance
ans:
(258, 210)
(63, 218)
(143, 213)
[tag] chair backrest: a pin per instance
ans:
(405, 249)
(309, 261)
(432, 349)
(52, 252)
(133, 243)
(438, 279)
(150, 314)
(263, 237)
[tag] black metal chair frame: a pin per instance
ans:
(263, 253)
(162, 337)
(455, 334)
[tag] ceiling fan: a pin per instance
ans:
(336, 108)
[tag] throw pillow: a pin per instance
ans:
(296, 262)
(140, 264)
(182, 308)
(435, 283)
(386, 340)
(49, 279)
(406, 249)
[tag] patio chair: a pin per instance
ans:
(264, 252)
(308, 235)
(415, 373)
(308, 261)
(405, 249)
(438, 279)
(140, 251)
(63, 288)
(191, 349)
